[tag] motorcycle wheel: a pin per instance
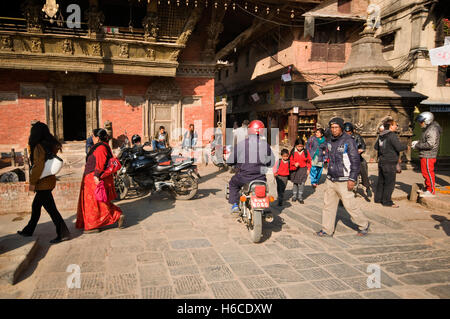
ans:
(255, 229)
(189, 185)
(121, 187)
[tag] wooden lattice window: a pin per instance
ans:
(172, 19)
(328, 46)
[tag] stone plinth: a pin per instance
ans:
(367, 94)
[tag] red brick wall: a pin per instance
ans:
(15, 118)
(15, 198)
(123, 117)
(205, 112)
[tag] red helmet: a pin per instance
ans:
(255, 127)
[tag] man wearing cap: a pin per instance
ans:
(343, 170)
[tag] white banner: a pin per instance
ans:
(440, 56)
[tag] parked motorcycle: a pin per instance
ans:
(254, 201)
(155, 171)
(219, 159)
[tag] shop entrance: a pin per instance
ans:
(74, 117)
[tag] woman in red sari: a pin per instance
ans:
(92, 214)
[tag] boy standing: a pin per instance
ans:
(281, 173)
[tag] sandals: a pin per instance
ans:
(392, 206)
(321, 233)
(364, 232)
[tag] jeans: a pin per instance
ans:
(158, 145)
(281, 186)
(297, 191)
(386, 183)
(45, 198)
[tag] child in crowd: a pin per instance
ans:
(300, 166)
(281, 173)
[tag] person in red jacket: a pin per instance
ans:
(281, 173)
(300, 166)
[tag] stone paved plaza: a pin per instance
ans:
(195, 249)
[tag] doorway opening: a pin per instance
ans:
(74, 117)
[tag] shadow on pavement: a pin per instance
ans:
(275, 226)
(444, 223)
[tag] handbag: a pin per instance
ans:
(52, 166)
(100, 192)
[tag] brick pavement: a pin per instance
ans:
(194, 249)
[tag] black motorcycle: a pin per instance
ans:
(153, 171)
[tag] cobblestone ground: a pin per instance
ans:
(195, 249)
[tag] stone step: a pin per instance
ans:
(16, 254)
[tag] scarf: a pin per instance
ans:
(320, 141)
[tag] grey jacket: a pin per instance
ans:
(428, 145)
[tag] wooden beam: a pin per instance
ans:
(190, 25)
(244, 36)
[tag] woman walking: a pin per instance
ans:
(317, 147)
(300, 164)
(43, 145)
(93, 214)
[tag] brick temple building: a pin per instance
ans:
(139, 64)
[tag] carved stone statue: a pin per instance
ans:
(67, 46)
(151, 54)
(95, 20)
(174, 55)
(50, 8)
(151, 26)
(33, 16)
(124, 50)
(6, 43)
(373, 17)
(36, 45)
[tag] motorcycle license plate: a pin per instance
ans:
(260, 202)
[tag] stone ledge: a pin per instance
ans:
(16, 253)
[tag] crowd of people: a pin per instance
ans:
(338, 147)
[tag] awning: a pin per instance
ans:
(327, 16)
(436, 102)
(302, 105)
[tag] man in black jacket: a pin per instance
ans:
(389, 147)
(361, 145)
(343, 169)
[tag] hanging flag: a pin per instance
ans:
(111, 30)
(440, 56)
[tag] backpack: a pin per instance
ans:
(289, 166)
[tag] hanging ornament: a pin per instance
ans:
(187, 2)
(206, 3)
(168, 2)
(267, 10)
(226, 6)
(338, 28)
(178, 3)
(245, 6)
(278, 11)
(195, 3)
(256, 9)
(292, 14)
(215, 4)
(159, 2)
(234, 6)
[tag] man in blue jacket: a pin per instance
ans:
(343, 170)
(252, 157)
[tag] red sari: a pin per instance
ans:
(92, 214)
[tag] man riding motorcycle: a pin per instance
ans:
(252, 157)
(361, 145)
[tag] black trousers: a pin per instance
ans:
(386, 183)
(364, 173)
(281, 186)
(45, 198)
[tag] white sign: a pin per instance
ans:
(295, 109)
(286, 77)
(440, 56)
(255, 97)
(447, 41)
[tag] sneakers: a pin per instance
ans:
(427, 194)
(294, 199)
(364, 232)
(235, 208)
(321, 233)
(301, 201)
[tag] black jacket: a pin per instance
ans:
(344, 162)
(389, 147)
(360, 144)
